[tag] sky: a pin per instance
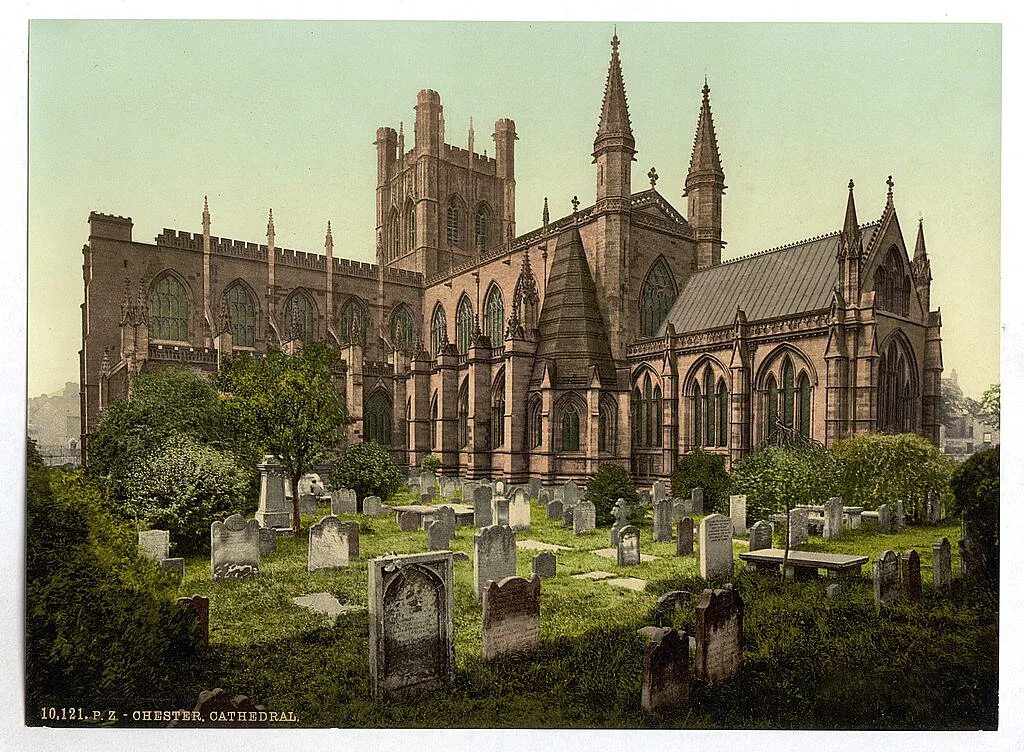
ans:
(144, 118)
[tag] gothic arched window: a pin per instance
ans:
(410, 227)
(453, 218)
(804, 405)
(896, 391)
(723, 414)
(464, 414)
(498, 412)
(656, 297)
(377, 422)
(606, 426)
(299, 318)
(438, 331)
(494, 315)
(393, 235)
(570, 429)
(787, 404)
(168, 310)
(480, 229)
(536, 425)
(352, 321)
(401, 328)
(433, 422)
(647, 416)
(464, 325)
(709, 403)
(241, 305)
(772, 411)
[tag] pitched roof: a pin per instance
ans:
(774, 283)
(571, 329)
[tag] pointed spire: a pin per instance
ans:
(270, 227)
(472, 136)
(614, 122)
(705, 155)
(546, 216)
(920, 252)
(850, 240)
(329, 240)
(206, 216)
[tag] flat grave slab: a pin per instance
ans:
(325, 604)
(629, 583)
(840, 565)
(611, 553)
(598, 575)
(535, 545)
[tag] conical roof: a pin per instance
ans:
(705, 156)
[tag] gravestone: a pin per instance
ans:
(234, 548)
(886, 575)
(760, 535)
(621, 514)
(884, 519)
(427, 483)
(176, 565)
(933, 511)
(533, 488)
(797, 527)
(267, 541)
(519, 510)
(343, 501)
(156, 544)
(584, 517)
(482, 514)
(715, 554)
(511, 621)
(972, 561)
(439, 536)
(567, 517)
(570, 493)
(426, 498)
(494, 556)
(198, 607)
(412, 637)
(719, 627)
(684, 537)
(310, 483)
(681, 508)
(408, 521)
(628, 551)
(446, 515)
(658, 491)
(328, 545)
(738, 513)
(942, 564)
(673, 600)
(307, 504)
(468, 488)
(645, 497)
(544, 564)
(900, 516)
(352, 530)
(499, 510)
(554, 509)
(910, 575)
(663, 520)
(372, 506)
(500, 487)
(544, 498)
(273, 511)
(696, 500)
(665, 682)
(833, 527)
(447, 487)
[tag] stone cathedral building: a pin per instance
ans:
(615, 333)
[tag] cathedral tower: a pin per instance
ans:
(705, 184)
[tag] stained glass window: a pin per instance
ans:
(168, 310)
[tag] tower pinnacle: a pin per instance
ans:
(850, 240)
(614, 128)
(705, 155)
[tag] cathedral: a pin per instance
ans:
(613, 334)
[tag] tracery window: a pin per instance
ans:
(606, 427)
(892, 284)
(377, 423)
(480, 229)
(453, 220)
(463, 414)
(896, 393)
(787, 404)
(570, 429)
(709, 406)
(352, 321)
(401, 328)
(168, 310)
(410, 227)
(393, 235)
(498, 412)
(242, 309)
(438, 330)
(536, 425)
(656, 297)
(646, 408)
(494, 315)
(299, 317)
(464, 325)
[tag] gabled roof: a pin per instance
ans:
(778, 282)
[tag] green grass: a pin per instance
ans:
(587, 671)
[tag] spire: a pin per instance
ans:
(270, 227)
(401, 139)
(920, 252)
(546, 217)
(471, 138)
(705, 155)
(850, 240)
(329, 241)
(614, 123)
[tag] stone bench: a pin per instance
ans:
(804, 564)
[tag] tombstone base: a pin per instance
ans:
(275, 519)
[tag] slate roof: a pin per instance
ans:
(779, 282)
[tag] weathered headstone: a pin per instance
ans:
(665, 683)
(273, 511)
(833, 519)
(343, 501)
(663, 520)
(372, 506)
(886, 576)
(234, 548)
(156, 544)
(494, 556)
(519, 510)
(198, 607)
(307, 503)
(673, 600)
(544, 564)
(884, 519)
(267, 541)
(176, 565)
(942, 564)
(933, 509)
(500, 487)
(533, 488)
(352, 530)
(696, 500)
(684, 537)
(439, 535)
(482, 513)
(412, 637)
(584, 517)
(544, 498)
(628, 550)
(426, 498)
(738, 513)
(972, 561)
(645, 497)
(797, 527)
(499, 510)
(658, 491)
(760, 535)
(427, 483)
(408, 521)
(567, 516)
(715, 554)
(328, 545)
(554, 509)
(900, 516)
(620, 513)
(719, 627)
(910, 575)
(511, 621)
(570, 493)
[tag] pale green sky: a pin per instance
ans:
(143, 118)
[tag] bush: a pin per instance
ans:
(976, 498)
(430, 464)
(881, 469)
(368, 469)
(102, 626)
(610, 484)
(707, 471)
(778, 478)
(183, 487)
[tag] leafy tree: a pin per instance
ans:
(776, 479)
(975, 486)
(990, 406)
(610, 484)
(184, 486)
(706, 470)
(32, 456)
(368, 469)
(880, 468)
(286, 405)
(430, 464)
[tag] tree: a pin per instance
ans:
(286, 405)
(610, 484)
(706, 470)
(368, 469)
(32, 456)
(975, 486)
(990, 406)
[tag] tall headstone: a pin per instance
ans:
(198, 607)
(544, 564)
(494, 556)
(684, 537)
(620, 513)
(511, 622)
(274, 510)
(408, 521)
(268, 541)
(372, 506)
(584, 517)
(658, 491)
(663, 520)
(884, 519)
(439, 536)
(499, 510)
(412, 637)
(628, 550)
(328, 545)
(533, 488)
(697, 500)
(234, 548)
(715, 553)
(426, 498)
(719, 627)
(760, 535)
(738, 513)
(567, 517)
(343, 501)
(519, 510)
(156, 544)
(482, 513)
(900, 516)
(972, 561)
(942, 564)
(352, 530)
(910, 575)
(554, 509)
(797, 527)
(544, 498)
(570, 493)
(886, 576)
(933, 510)
(665, 682)
(833, 527)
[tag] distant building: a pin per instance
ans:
(55, 422)
(962, 432)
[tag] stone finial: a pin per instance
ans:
(270, 225)
(546, 217)
(888, 195)
(653, 177)
(575, 204)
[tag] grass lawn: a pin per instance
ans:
(809, 661)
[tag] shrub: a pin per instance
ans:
(778, 478)
(881, 469)
(101, 622)
(368, 469)
(610, 484)
(706, 470)
(976, 498)
(183, 487)
(430, 464)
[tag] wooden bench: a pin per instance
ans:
(805, 564)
